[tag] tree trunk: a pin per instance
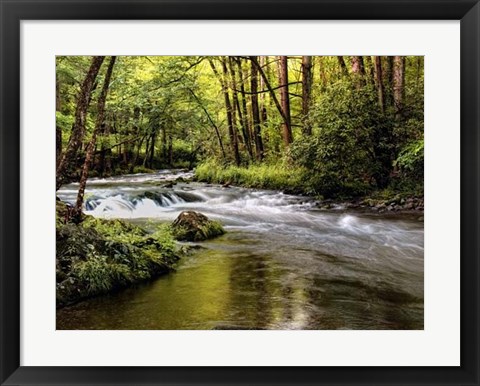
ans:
(91, 145)
(285, 100)
(388, 82)
(263, 102)
(152, 149)
(343, 66)
(78, 130)
(147, 149)
(255, 111)
(323, 73)
(230, 114)
(108, 152)
(243, 113)
(357, 65)
(369, 68)
(418, 73)
(232, 81)
(136, 120)
(306, 93)
(398, 85)
(274, 99)
(379, 81)
(228, 106)
(170, 150)
(358, 71)
(58, 140)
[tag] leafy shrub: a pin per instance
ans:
(346, 155)
(411, 159)
(410, 164)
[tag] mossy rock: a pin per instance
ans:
(195, 226)
(99, 256)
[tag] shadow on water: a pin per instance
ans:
(282, 265)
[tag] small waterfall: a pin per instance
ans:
(122, 206)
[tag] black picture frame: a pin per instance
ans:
(13, 11)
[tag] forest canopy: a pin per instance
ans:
(331, 126)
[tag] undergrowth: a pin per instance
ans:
(281, 175)
(99, 256)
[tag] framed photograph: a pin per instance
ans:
(239, 193)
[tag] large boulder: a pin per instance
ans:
(194, 226)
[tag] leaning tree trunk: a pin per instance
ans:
(259, 152)
(77, 211)
(285, 100)
(274, 99)
(306, 93)
(263, 102)
(78, 130)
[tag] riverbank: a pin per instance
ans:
(395, 204)
(296, 181)
(100, 256)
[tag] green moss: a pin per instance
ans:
(195, 226)
(212, 229)
(98, 256)
(203, 232)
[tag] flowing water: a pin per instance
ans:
(283, 263)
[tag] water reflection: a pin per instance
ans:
(226, 288)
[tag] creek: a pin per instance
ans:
(283, 263)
